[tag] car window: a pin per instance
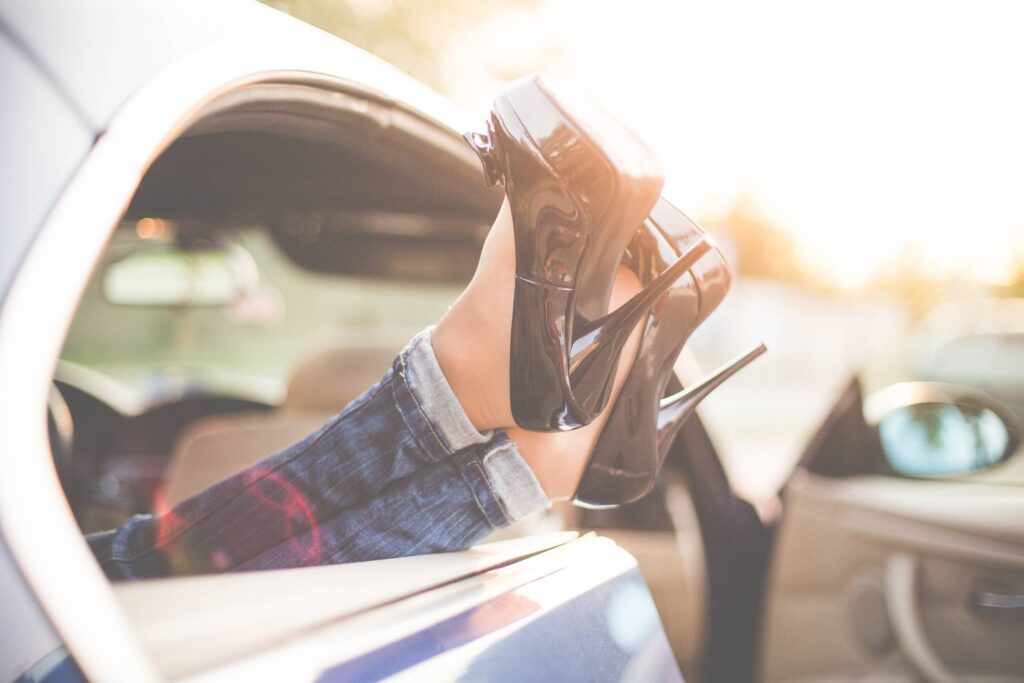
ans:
(177, 335)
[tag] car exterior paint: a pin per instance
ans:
(609, 632)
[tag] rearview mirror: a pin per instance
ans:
(172, 276)
(931, 429)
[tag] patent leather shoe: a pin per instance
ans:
(642, 425)
(578, 185)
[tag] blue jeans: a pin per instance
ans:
(400, 471)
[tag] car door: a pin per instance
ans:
(879, 576)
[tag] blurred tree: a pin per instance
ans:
(1016, 288)
(762, 249)
(410, 34)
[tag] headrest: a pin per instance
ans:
(329, 380)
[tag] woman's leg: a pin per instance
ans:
(447, 505)
(454, 502)
(407, 421)
(412, 465)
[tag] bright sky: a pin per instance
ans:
(867, 128)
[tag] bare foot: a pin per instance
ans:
(472, 340)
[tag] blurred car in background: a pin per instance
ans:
(223, 226)
(976, 342)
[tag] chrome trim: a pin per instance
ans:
(35, 519)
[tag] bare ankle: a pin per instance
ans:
(472, 370)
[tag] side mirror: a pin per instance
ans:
(932, 429)
(172, 276)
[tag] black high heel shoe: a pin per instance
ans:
(642, 425)
(577, 188)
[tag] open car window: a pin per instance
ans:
(271, 264)
(150, 366)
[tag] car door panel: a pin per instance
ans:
(503, 611)
(674, 567)
(877, 576)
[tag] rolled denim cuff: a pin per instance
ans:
(427, 403)
(512, 479)
(493, 471)
(501, 482)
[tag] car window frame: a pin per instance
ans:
(35, 520)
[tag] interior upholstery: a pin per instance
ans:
(831, 614)
(329, 379)
(213, 448)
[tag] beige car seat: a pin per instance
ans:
(215, 447)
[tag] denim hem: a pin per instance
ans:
(470, 468)
(111, 551)
(512, 479)
(500, 481)
(120, 552)
(427, 404)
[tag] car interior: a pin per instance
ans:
(302, 234)
(319, 250)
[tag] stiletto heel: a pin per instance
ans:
(675, 409)
(576, 189)
(601, 342)
(641, 426)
